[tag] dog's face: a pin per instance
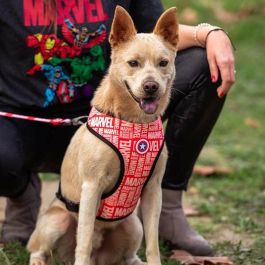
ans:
(145, 63)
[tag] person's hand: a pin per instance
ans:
(221, 60)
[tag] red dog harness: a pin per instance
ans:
(138, 147)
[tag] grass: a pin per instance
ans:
(14, 254)
(231, 207)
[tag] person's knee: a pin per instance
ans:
(195, 64)
(199, 60)
(13, 175)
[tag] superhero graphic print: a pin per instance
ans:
(67, 63)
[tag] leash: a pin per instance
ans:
(56, 121)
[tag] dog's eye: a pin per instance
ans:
(133, 63)
(163, 63)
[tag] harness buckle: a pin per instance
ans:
(79, 120)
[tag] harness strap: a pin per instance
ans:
(70, 205)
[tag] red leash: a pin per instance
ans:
(55, 121)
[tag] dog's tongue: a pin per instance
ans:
(149, 105)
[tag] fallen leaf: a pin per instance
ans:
(182, 256)
(190, 211)
(187, 259)
(211, 170)
(193, 190)
(250, 122)
(214, 260)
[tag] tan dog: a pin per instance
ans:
(136, 90)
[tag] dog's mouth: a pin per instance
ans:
(149, 104)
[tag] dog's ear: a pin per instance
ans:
(122, 28)
(167, 27)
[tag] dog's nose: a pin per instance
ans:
(150, 87)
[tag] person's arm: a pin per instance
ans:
(220, 52)
(186, 37)
(191, 36)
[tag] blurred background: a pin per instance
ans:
(226, 197)
(227, 194)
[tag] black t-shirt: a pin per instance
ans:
(49, 74)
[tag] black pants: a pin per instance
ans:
(192, 113)
(27, 146)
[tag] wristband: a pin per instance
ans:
(216, 29)
(197, 30)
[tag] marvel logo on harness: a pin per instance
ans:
(142, 146)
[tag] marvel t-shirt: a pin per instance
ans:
(57, 70)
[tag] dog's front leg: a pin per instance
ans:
(89, 202)
(151, 208)
(151, 202)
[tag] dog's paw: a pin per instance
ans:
(135, 261)
(139, 263)
(37, 261)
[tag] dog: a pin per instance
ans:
(104, 176)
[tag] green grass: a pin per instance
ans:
(14, 254)
(242, 254)
(232, 204)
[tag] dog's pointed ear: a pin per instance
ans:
(122, 28)
(167, 27)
